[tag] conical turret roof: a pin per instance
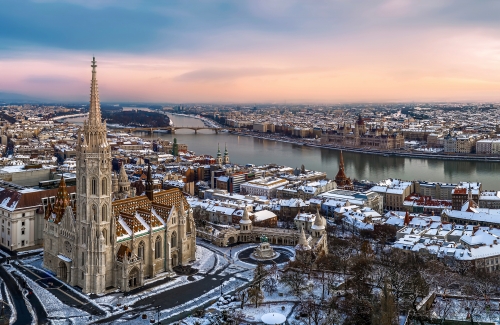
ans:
(123, 174)
(318, 222)
(303, 244)
(246, 218)
(218, 150)
(63, 200)
(407, 219)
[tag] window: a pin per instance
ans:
(94, 212)
(105, 235)
(22, 232)
(94, 186)
(104, 214)
(158, 247)
(22, 242)
(174, 239)
(83, 260)
(140, 250)
(82, 273)
(84, 185)
(23, 223)
(23, 216)
(104, 186)
(84, 236)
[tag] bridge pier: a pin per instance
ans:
(172, 131)
(195, 131)
(216, 131)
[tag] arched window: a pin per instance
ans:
(104, 214)
(173, 240)
(140, 250)
(84, 185)
(94, 212)
(83, 258)
(94, 186)
(104, 186)
(84, 236)
(158, 247)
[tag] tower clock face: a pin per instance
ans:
(67, 246)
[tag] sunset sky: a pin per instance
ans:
(254, 51)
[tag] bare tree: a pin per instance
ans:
(255, 296)
(295, 280)
(243, 296)
(314, 311)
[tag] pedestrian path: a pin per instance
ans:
(23, 314)
(60, 290)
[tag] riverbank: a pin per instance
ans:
(386, 153)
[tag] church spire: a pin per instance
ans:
(95, 106)
(149, 183)
(341, 161)
(341, 179)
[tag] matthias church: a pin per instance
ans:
(102, 237)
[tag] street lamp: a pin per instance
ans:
(158, 311)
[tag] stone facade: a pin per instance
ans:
(98, 244)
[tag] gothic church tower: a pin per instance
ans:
(94, 265)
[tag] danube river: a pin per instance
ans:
(244, 150)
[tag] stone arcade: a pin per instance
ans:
(98, 244)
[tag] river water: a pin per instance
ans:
(244, 150)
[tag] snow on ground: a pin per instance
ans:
(7, 299)
(36, 262)
(455, 309)
(38, 250)
(253, 314)
(228, 286)
(113, 299)
(11, 269)
(56, 310)
(205, 259)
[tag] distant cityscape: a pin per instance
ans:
(296, 214)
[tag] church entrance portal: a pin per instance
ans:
(63, 271)
(133, 278)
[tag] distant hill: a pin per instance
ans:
(136, 118)
(6, 97)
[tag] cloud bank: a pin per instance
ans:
(253, 51)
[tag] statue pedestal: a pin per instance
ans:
(264, 251)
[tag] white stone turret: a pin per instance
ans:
(245, 222)
(123, 184)
(319, 225)
(303, 244)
